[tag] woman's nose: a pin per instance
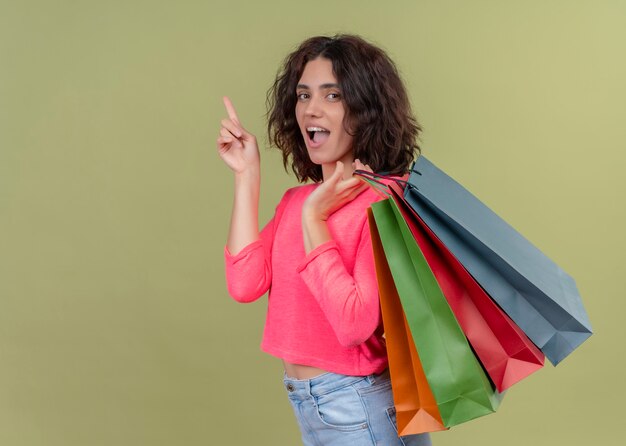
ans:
(313, 107)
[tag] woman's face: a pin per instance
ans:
(320, 113)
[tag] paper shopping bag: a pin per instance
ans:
(416, 408)
(535, 293)
(456, 378)
(505, 352)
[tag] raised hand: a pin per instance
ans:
(237, 147)
(333, 193)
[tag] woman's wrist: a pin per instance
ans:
(315, 231)
(311, 216)
(250, 174)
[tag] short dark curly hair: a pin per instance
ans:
(378, 112)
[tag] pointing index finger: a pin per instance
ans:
(232, 114)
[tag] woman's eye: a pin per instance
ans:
(334, 96)
(302, 96)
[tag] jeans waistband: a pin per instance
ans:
(326, 383)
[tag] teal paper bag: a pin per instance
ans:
(537, 294)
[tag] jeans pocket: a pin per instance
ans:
(391, 416)
(342, 409)
(408, 440)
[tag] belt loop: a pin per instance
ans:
(308, 388)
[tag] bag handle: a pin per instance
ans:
(376, 177)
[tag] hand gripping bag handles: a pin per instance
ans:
(505, 352)
(536, 294)
(457, 380)
(416, 408)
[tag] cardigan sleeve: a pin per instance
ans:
(349, 301)
(249, 272)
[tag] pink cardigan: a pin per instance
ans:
(323, 308)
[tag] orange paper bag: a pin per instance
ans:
(416, 408)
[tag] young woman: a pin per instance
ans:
(337, 105)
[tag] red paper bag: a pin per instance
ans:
(504, 350)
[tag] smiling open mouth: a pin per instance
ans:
(317, 134)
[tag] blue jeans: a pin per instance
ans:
(342, 410)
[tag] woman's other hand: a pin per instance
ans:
(236, 146)
(331, 195)
(334, 193)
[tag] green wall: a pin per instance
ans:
(115, 324)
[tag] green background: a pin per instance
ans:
(115, 324)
